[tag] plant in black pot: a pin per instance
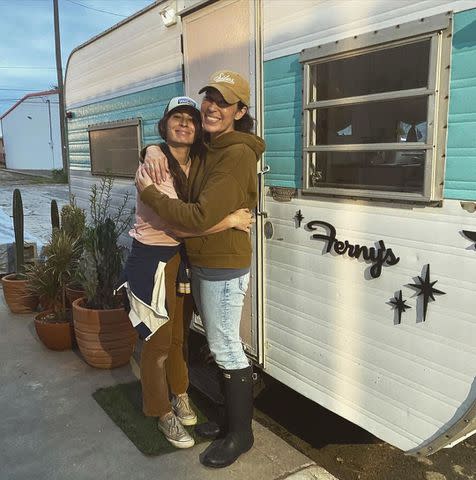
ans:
(103, 330)
(15, 285)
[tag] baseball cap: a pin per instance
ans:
(231, 85)
(177, 102)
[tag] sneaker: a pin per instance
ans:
(183, 410)
(174, 431)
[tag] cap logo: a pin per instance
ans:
(186, 101)
(224, 77)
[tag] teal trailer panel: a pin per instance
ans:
(460, 178)
(148, 105)
(283, 121)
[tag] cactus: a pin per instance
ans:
(73, 220)
(19, 232)
(55, 222)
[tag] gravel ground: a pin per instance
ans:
(349, 452)
(37, 193)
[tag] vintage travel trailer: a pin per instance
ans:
(363, 296)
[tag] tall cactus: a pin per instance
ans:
(19, 232)
(55, 219)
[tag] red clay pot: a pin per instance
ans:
(54, 335)
(106, 338)
(17, 296)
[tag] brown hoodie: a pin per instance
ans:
(220, 183)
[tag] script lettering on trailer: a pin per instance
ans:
(378, 256)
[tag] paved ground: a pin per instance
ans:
(52, 429)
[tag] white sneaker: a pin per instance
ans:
(174, 431)
(183, 410)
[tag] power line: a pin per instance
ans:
(20, 89)
(97, 9)
(22, 66)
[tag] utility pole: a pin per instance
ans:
(59, 73)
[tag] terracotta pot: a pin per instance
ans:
(73, 294)
(106, 338)
(17, 296)
(54, 335)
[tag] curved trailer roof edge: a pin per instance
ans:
(106, 32)
(463, 428)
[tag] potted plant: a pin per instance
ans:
(103, 330)
(15, 285)
(48, 279)
(73, 221)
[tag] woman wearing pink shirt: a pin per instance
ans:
(157, 284)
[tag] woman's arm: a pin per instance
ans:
(155, 163)
(241, 219)
(220, 195)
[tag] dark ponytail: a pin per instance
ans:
(246, 122)
(178, 176)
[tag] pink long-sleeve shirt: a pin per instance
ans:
(149, 228)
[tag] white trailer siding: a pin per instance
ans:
(330, 332)
(292, 25)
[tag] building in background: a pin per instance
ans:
(2, 154)
(31, 133)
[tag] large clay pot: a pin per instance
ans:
(54, 335)
(73, 294)
(18, 297)
(106, 338)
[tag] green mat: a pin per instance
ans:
(123, 404)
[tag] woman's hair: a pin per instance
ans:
(178, 176)
(246, 122)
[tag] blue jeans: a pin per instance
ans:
(220, 303)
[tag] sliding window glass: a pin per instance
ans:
(114, 148)
(375, 117)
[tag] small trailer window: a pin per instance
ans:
(114, 148)
(375, 116)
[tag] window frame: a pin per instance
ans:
(112, 125)
(438, 30)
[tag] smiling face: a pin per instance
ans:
(180, 128)
(218, 116)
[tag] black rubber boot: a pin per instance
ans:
(213, 429)
(216, 426)
(238, 388)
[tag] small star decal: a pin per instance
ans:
(299, 218)
(400, 305)
(426, 288)
(471, 235)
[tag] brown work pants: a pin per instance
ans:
(164, 356)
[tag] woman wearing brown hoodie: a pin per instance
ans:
(220, 182)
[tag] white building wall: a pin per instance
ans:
(29, 145)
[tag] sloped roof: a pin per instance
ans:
(29, 95)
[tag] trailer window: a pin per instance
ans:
(375, 119)
(114, 148)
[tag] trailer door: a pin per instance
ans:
(218, 36)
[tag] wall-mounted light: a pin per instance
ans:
(69, 115)
(169, 14)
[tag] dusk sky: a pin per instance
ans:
(27, 48)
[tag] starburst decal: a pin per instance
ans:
(426, 288)
(299, 218)
(471, 235)
(399, 305)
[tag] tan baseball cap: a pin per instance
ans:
(231, 85)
